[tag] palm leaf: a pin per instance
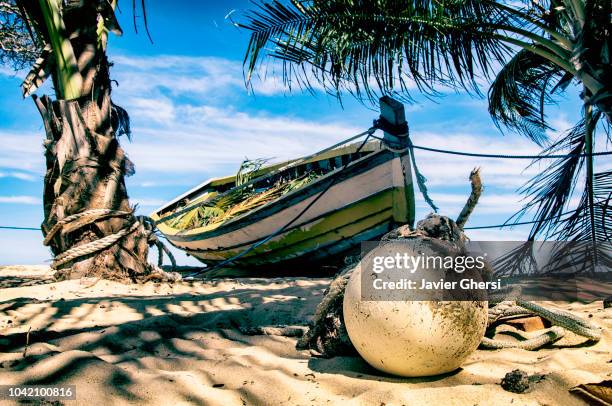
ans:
(593, 233)
(120, 121)
(40, 71)
(70, 81)
(550, 191)
(220, 208)
(588, 225)
(521, 90)
(518, 261)
(377, 47)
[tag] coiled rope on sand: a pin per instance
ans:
(560, 319)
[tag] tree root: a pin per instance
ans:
(159, 275)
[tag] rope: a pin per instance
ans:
(550, 335)
(420, 178)
(519, 223)
(93, 246)
(153, 239)
(465, 228)
(562, 321)
(95, 214)
(508, 156)
(19, 228)
(502, 156)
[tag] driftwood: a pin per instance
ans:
(327, 335)
(472, 200)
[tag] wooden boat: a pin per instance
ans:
(363, 191)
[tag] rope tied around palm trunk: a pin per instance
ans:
(93, 214)
(92, 247)
(109, 240)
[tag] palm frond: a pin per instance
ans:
(521, 90)
(39, 72)
(69, 79)
(248, 169)
(120, 121)
(377, 47)
(550, 191)
(586, 232)
(216, 209)
(596, 230)
(422, 182)
(518, 261)
(583, 232)
(143, 8)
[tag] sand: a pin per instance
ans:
(179, 344)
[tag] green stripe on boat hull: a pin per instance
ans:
(345, 224)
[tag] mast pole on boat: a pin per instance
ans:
(395, 128)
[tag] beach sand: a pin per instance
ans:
(164, 344)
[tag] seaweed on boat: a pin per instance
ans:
(220, 208)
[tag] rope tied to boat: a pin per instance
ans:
(404, 144)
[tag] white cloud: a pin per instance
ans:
(160, 110)
(18, 175)
(21, 151)
(188, 75)
(202, 138)
(21, 200)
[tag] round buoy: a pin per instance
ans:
(412, 338)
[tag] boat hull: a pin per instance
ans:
(361, 202)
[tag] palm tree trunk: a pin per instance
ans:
(86, 166)
(86, 170)
(588, 146)
(596, 92)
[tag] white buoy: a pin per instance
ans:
(412, 338)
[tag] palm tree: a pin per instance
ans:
(88, 221)
(531, 50)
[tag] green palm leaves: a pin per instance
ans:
(375, 47)
(69, 79)
(52, 25)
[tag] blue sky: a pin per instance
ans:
(193, 119)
